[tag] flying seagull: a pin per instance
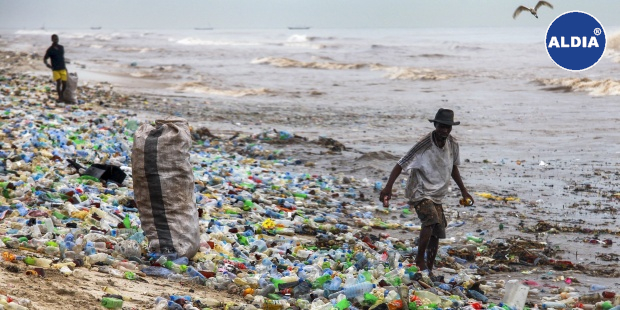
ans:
(531, 10)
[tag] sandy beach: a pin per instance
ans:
(539, 156)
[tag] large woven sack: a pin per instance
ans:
(164, 187)
(70, 93)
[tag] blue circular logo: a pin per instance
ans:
(575, 41)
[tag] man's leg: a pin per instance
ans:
(64, 86)
(433, 247)
(423, 242)
(59, 89)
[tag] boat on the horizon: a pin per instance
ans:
(95, 28)
(298, 27)
(203, 28)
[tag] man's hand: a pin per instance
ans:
(385, 196)
(49, 66)
(466, 195)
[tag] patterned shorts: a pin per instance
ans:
(431, 214)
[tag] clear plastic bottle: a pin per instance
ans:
(554, 305)
(193, 273)
(101, 258)
(357, 289)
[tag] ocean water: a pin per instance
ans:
(368, 62)
(373, 89)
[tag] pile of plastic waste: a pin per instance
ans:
(277, 239)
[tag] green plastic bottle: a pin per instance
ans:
(59, 215)
(320, 281)
(247, 205)
(127, 221)
(130, 275)
(243, 240)
(343, 304)
(112, 303)
(475, 239)
(300, 195)
(370, 299)
(29, 260)
(247, 185)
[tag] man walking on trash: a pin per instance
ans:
(432, 161)
(56, 53)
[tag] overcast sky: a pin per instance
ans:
(256, 14)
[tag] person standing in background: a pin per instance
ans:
(56, 53)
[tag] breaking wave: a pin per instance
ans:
(394, 73)
(597, 88)
(299, 38)
(34, 32)
(409, 73)
(127, 49)
(143, 74)
(196, 41)
(467, 48)
(291, 63)
(200, 88)
(613, 47)
(306, 38)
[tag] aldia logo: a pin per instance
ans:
(575, 41)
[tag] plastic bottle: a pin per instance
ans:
(285, 282)
(604, 305)
(357, 289)
(155, 271)
(174, 306)
(598, 287)
(554, 305)
(394, 277)
(259, 246)
(333, 285)
(211, 303)
(370, 299)
(112, 303)
(175, 267)
(474, 238)
(342, 304)
(403, 292)
(14, 306)
(303, 288)
(466, 202)
(434, 299)
(101, 258)
(191, 272)
(478, 296)
(38, 261)
(266, 290)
